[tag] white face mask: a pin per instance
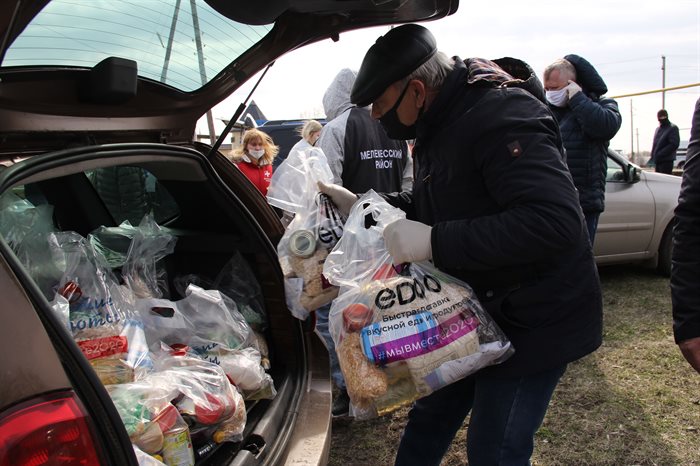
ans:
(558, 98)
(256, 154)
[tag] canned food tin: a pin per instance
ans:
(177, 447)
(302, 243)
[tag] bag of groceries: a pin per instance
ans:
(24, 227)
(99, 312)
(401, 332)
(311, 235)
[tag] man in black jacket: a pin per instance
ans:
(494, 205)
(588, 122)
(665, 145)
(685, 265)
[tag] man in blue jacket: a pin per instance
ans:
(665, 145)
(494, 205)
(587, 122)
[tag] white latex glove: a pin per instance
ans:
(408, 241)
(572, 89)
(341, 197)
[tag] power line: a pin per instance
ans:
(655, 91)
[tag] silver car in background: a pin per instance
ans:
(637, 224)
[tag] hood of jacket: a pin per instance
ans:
(587, 77)
(480, 74)
(524, 72)
(336, 100)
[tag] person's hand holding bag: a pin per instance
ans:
(341, 197)
(408, 241)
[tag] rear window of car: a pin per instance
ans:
(183, 44)
(129, 193)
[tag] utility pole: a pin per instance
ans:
(663, 81)
(637, 133)
(202, 70)
(169, 48)
(631, 131)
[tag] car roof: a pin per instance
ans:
(175, 60)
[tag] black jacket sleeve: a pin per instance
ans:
(599, 120)
(685, 269)
(402, 200)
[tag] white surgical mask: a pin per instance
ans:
(256, 154)
(558, 98)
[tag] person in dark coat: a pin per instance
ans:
(360, 155)
(666, 142)
(685, 262)
(588, 122)
(494, 205)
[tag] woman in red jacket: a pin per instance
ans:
(254, 158)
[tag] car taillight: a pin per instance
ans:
(47, 431)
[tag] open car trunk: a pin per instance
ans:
(99, 103)
(215, 215)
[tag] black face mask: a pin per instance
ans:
(391, 124)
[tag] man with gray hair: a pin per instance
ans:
(492, 204)
(587, 122)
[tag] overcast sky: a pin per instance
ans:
(624, 40)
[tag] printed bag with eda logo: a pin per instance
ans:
(401, 332)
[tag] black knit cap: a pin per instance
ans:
(392, 57)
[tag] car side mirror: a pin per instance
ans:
(633, 173)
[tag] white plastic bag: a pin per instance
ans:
(25, 228)
(296, 177)
(401, 333)
(205, 320)
(207, 396)
(309, 237)
(102, 320)
(237, 281)
(141, 272)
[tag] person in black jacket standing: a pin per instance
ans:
(685, 265)
(665, 145)
(494, 205)
(588, 122)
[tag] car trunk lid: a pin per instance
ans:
(82, 72)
